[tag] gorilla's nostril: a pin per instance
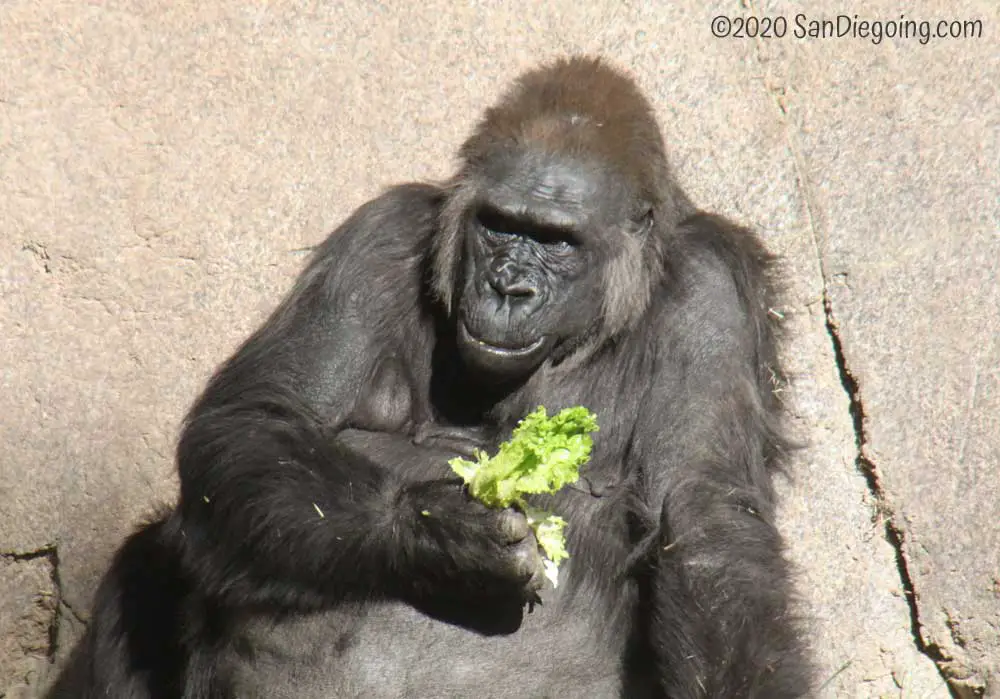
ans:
(517, 288)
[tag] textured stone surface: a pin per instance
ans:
(849, 582)
(28, 602)
(899, 150)
(165, 166)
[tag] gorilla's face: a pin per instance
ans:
(534, 238)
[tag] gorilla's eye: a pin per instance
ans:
(498, 228)
(556, 244)
(495, 227)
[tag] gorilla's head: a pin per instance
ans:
(553, 232)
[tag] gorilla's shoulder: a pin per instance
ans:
(399, 221)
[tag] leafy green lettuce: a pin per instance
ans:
(543, 455)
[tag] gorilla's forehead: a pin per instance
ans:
(553, 190)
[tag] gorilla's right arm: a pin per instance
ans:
(151, 619)
(274, 510)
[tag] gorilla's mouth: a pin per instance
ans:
(499, 361)
(467, 338)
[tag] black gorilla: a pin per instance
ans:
(561, 266)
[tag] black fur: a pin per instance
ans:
(321, 546)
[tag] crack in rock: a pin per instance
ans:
(40, 253)
(48, 603)
(50, 553)
(20, 556)
(56, 617)
(777, 90)
(893, 534)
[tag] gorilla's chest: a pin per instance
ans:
(565, 648)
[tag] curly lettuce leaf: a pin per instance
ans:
(543, 455)
(548, 530)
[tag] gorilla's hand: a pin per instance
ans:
(461, 545)
(465, 441)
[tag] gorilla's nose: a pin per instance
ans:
(518, 288)
(507, 280)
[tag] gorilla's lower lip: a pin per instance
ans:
(511, 352)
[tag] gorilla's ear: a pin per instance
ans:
(643, 221)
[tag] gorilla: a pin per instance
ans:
(321, 545)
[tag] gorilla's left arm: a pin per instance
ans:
(706, 444)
